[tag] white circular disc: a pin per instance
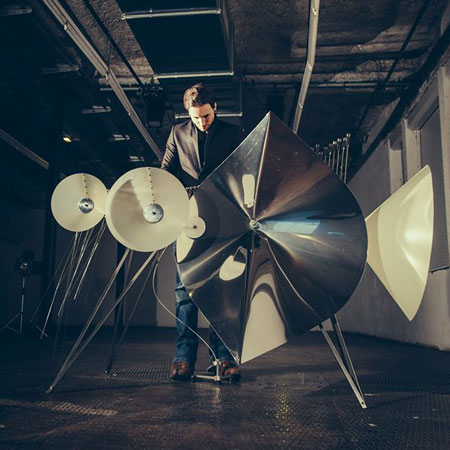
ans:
(68, 194)
(129, 197)
(195, 227)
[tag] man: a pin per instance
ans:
(194, 149)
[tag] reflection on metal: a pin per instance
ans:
(146, 209)
(400, 240)
(290, 258)
(78, 202)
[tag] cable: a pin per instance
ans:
(170, 312)
(381, 86)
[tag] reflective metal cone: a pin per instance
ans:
(146, 209)
(400, 240)
(284, 247)
(78, 202)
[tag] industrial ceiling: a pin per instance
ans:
(109, 76)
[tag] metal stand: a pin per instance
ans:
(115, 347)
(343, 358)
(82, 343)
(214, 369)
(19, 315)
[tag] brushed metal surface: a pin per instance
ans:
(285, 242)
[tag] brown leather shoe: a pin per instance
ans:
(181, 371)
(229, 369)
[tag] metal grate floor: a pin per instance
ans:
(294, 397)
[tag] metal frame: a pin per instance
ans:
(84, 45)
(82, 342)
(311, 56)
(156, 13)
(343, 358)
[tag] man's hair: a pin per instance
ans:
(198, 95)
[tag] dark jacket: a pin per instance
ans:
(182, 159)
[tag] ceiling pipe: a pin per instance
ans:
(113, 42)
(206, 73)
(380, 87)
(14, 143)
(156, 13)
(311, 56)
(83, 44)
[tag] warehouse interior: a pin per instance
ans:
(95, 87)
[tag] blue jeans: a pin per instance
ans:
(187, 341)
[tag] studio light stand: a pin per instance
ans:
(24, 266)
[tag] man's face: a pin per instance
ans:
(202, 116)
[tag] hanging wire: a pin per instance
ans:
(168, 310)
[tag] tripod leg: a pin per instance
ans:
(67, 363)
(345, 364)
(344, 351)
(79, 346)
(115, 351)
(22, 301)
(118, 312)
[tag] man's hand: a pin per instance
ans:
(190, 190)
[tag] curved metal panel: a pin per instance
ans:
(285, 243)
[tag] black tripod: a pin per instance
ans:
(19, 315)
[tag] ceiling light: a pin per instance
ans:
(119, 137)
(67, 138)
(96, 109)
(134, 158)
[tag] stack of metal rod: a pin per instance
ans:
(335, 154)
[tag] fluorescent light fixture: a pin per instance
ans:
(96, 109)
(119, 137)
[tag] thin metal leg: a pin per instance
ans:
(116, 348)
(68, 361)
(343, 358)
(19, 315)
(80, 345)
(121, 281)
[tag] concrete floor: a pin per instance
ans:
(294, 397)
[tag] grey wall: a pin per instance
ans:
(371, 310)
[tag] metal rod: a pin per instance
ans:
(358, 393)
(346, 156)
(113, 42)
(70, 359)
(93, 250)
(116, 348)
(181, 12)
(79, 346)
(344, 350)
(204, 74)
(84, 45)
(311, 56)
(382, 85)
(23, 149)
(219, 114)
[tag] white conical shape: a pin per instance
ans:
(128, 199)
(400, 235)
(70, 195)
